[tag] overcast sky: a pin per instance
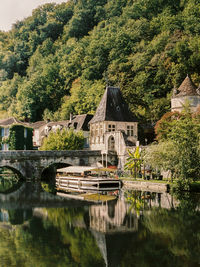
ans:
(13, 10)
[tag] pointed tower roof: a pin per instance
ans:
(187, 88)
(112, 107)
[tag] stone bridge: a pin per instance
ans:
(31, 164)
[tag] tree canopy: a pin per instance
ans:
(62, 57)
(178, 147)
(63, 140)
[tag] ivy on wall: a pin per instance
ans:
(20, 138)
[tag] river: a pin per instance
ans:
(41, 229)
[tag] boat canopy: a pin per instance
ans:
(77, 169)
(83, 170)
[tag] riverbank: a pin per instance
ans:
(146, 185)
(158, 186)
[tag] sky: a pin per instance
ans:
(14, 10)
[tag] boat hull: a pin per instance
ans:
(82, 184)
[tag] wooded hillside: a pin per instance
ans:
(60, 59)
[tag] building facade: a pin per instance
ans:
(113, 127)
(77, 122)
(21, 135)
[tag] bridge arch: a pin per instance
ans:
(15, 169)
(49, 172)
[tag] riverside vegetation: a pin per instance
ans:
(176, 150)
(58, 60)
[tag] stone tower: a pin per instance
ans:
(186, 93)
(113, 127)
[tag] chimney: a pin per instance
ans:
(70, 117)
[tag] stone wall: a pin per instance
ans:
(177, 103)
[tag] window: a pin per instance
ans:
(75, 125)
(25, 133)
(5, 147)
(111, 127)
(101, 129)
(97, 130)
(111, 143)
(130, 130)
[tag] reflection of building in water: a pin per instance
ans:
(115, 216)
(109, 220)
(163, 200)
(152, 199)
(112, 216)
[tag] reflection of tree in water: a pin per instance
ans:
(62, 239)
(176, 231)
(19, 216)
(9, 180)
(165, 237)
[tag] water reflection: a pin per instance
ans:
(9, 180)
(137, 229)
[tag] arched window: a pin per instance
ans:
(111, 143)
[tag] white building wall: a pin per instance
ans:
(100, 134)
(177, 103)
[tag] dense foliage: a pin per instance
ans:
(60, 59)
(178, 149)
(20, 138)
(63, 140)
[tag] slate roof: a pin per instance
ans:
(56, 123)
(80, 122)
(38, 124)
(187, 88)
(112, 107)
(10, 121)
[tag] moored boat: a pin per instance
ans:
(84, 179)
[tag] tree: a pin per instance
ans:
(178, 148)
(63, 140)
(134, 161)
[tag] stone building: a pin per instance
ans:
(113, 127)
(187, 93)
(77, 122)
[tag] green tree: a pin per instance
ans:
(63, 140)
(178, 148)
(134, 161)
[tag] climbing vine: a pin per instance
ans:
(20, 138)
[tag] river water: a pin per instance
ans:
(41, 229)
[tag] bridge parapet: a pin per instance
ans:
(31, 163)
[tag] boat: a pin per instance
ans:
(85, 179)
